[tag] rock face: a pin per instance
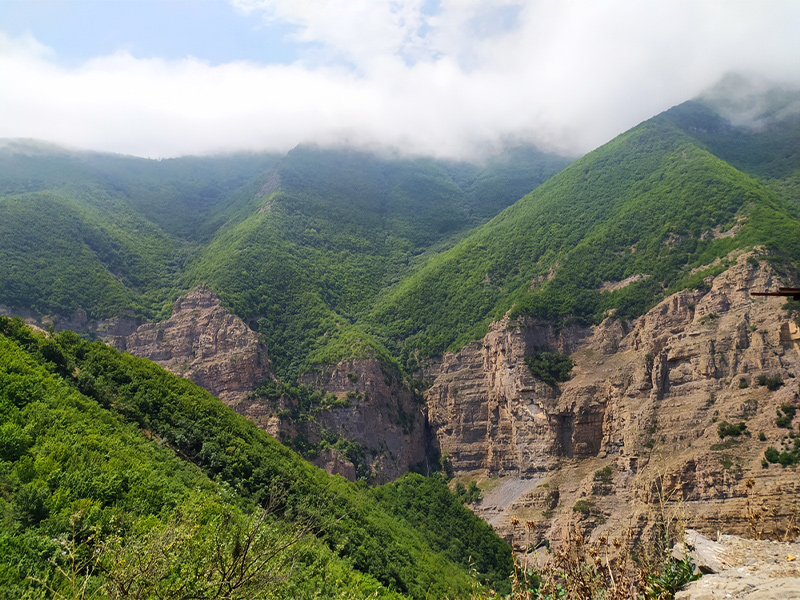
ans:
(748, 569)
(205, 343)
(644, 405)
(383, 415)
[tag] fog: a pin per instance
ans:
(454, 79)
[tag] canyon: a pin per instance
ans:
(635, 428)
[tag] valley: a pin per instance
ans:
(575, 338)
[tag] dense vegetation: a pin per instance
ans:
(650, 207)
(298, 246)
(104, 456)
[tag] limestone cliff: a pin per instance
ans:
(383, 415)
(205, 343)
(645, 400)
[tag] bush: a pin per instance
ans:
(772, 383)
(603, 474)
(583, 506)
(550, 367)
(467, 494)
(725, 429)
(785, 416)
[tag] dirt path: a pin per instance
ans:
(494, 505)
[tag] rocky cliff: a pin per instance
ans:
(639, 420)
(382, 414)
(205, 343)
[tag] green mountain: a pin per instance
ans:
(120, 476)
(103, 233)
(659, 205)
(298, 245)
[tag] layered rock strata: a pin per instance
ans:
(638, 422)
(204, 342)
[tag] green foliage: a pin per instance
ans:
(467, 494)
(725, 429)
(786, 458)
(120, 444)
(306, 257)
(604, 475)
(550, 367)
(673, 575)
(426, 504)
(583, 506)
(785, 416)
(644, 205)
(771, 383)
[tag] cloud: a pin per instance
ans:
(455, 78)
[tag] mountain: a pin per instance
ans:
(118, 477)
(122, 224)
(588, 355)
(655, 208)
(292, 244)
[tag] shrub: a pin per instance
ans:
(583, 506)
(785, 416)
(550, 367)
(603, 474)
(772, 383)
(725, 429)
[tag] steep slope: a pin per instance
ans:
(107, 461)
(678, 406)
(294, 244)
(327, 230)
(612, 232)
(92, 236)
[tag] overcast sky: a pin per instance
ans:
(449, 78)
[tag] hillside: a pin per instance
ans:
(126, 225)
(293, 244)
(654, 209)
(328, 230)
(115, 471)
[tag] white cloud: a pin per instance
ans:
(469, 77)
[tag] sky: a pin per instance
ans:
(456, 79)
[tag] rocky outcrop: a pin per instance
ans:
(741, 568)
(204, 342)
(380, 412)
(645, 401)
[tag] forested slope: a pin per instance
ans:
(297, 245)
(655, 205)
(112, 467)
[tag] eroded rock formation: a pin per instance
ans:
(205, 343)
(645, 400)
(382, 414)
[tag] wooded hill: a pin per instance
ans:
(298, 245)
(659, 206)
(121, 476)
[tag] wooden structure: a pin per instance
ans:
(793, 293)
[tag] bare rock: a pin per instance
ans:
(744, 568)
(380, 412)
(705, 553)
(204, 342)
(335, 463)
(646, 397)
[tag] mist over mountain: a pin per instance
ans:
(530, 329)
